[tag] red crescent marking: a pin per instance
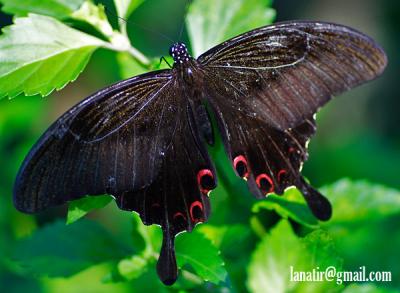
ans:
(241, 159)
(265, 176)
(204, 172)
(155, 205)
(179, 214)
(280, 173)
(192, 206)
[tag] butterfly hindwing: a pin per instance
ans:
(269, 159)
(178, 198)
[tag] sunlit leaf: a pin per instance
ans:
(80, 207)
(126, 7)
(88, 280)
(210, 22)
(60, 250)
(133, 267)
(199, 252)
(147, 239)
(129, 66)
(225, 237)
(360, 201)
(147, 242)
(290, 205)
(367, 288)
(270, 267)
(39, 54)
(55, 8)
(94, 15)
(364, 215)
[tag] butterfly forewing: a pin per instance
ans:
(284, 73)
(94, 149)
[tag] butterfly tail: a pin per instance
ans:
(167, 269)
(318, 204)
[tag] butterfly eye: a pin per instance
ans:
(241, 167)
(205, 180)
(265, 183)
(196, 212)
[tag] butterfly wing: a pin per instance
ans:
(110, 142)
(264, 87)
(282, 74)
(155, 163)
(178, 198)
(270, 160)
(143, 141)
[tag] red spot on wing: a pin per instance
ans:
(268, 181)
(281, 173)
(193, 206)
(205, 180)
(179, 214)
(155, 205)
(241, 166)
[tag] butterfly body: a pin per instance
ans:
(144, 140)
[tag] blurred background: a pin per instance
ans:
(358, 133)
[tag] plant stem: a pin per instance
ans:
(122, 27)
(139, 56)
(125, 46)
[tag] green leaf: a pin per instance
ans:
(133, 267)
(271, 262)
(210, 22)
(39, 54)
(126, 7)
(199, 252)
(129, 66)
(365, 217)
(87, 281)
(366, 288)
(80, 207)
(69, 249)
(147, 243)
(290, 205)
(56, 8)
(225, 237)
(95, 16)
(147, 239)
(361, 201)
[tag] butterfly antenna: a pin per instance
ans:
(181, 29)
(140, 26)
(188, 2)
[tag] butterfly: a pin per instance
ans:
(144, 140)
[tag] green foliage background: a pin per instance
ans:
(247, 246)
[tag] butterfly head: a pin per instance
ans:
(179, 53)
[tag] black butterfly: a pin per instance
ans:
(143, 140)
